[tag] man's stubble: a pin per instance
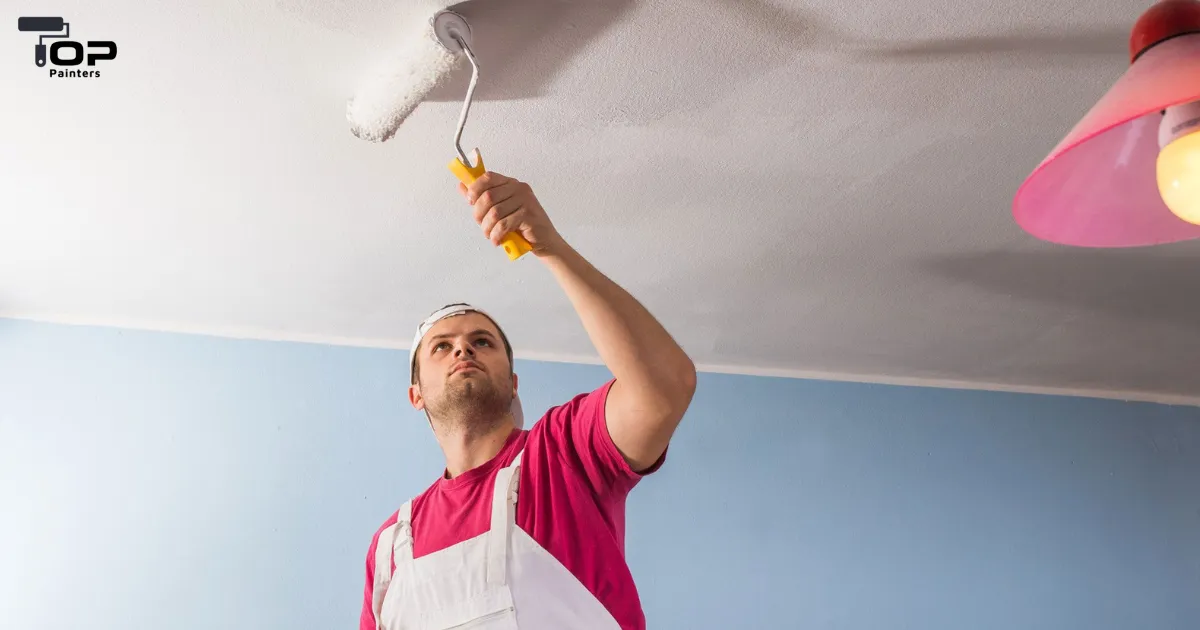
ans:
(470, 405)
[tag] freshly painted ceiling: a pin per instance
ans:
(791, 187)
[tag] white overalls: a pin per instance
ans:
(500, 580)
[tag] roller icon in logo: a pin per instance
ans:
(43, 25)
(64, 57)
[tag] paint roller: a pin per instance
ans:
(43, 25)
(428, 56)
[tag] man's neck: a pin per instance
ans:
(467, 450)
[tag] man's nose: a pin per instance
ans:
(464, 348)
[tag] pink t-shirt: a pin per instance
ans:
(573, 487)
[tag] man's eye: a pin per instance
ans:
(441, 345)
(483, 341)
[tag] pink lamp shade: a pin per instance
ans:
(1098, 187)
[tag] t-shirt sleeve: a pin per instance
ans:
(367, 617)
(578, 431)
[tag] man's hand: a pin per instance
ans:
(503, 204)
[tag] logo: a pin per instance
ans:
(64, 53)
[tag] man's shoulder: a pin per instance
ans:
(584, 400)
(578, 410)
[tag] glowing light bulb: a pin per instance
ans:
(1179, 161)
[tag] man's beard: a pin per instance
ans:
(469, 405)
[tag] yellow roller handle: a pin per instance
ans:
(514, 244)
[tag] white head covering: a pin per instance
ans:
(451, 311)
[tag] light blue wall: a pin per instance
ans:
(152, 481)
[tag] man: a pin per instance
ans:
(525, 528)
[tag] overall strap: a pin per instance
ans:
(504, 502)
(394, 542)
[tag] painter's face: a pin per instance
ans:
(464, 370)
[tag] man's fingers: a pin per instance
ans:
(504, 226)
(498, 204)
(493, 197)
(498, 213)
(485, 182)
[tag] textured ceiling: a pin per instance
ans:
(792, 187)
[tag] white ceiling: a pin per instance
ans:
(792, 187)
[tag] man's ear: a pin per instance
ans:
(415, 398)
(514, 383)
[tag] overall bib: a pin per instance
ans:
(499, 580)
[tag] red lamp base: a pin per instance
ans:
(1167, 19)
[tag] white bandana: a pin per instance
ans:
(443, 313)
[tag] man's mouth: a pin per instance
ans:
(464, 366)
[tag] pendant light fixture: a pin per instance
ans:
(1128, 174)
